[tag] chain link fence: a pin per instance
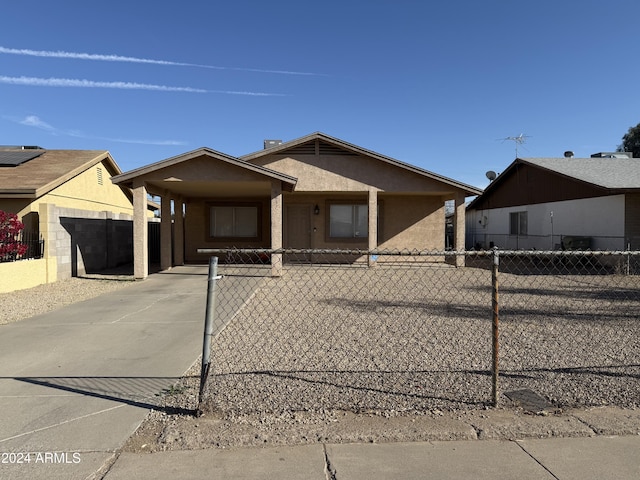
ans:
(416, 331)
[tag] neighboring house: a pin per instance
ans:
(553, 203)
(66, 197)
(313, 192)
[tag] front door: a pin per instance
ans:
(298, 231)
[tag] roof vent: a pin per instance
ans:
(272, 143)
(568, 154)
(612, 155)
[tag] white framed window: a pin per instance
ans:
(234, 221)
(348, 220)
(518, 223)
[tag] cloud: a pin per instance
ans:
(35, 121)
(120, 58)
(78, 83)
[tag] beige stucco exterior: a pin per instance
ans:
(313, 173)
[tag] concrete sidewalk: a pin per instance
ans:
(596, 458)
(80, 380)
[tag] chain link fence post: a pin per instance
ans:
(495, 263)
(208, 325)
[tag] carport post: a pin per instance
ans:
(495, 262)
(208, 324)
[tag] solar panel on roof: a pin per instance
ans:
(13, 158)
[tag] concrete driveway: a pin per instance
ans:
(75, 383)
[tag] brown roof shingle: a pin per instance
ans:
(49, 170)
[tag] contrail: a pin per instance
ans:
(120, 58)
(78, 83)
(35, 121)
(70, 82)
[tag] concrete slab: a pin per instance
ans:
(72, 425)
(81, 379)
(610, 420)
(597, 458)
(500, 425)
(56, 466)
(304, 463)
(486, 460)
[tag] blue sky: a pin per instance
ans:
(434, 84)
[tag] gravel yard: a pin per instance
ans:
(26, 303)
(348, 354)
(417, 337)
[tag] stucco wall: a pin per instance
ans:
(86, 192)
(349, 173)
(405, 222)
(601, 218)
(22, 274)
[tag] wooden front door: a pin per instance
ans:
(298, 231)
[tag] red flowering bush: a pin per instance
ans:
(10, 246)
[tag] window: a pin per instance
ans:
(348, 221)
(518, 223)
(234, 221)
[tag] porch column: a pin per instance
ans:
(373, 223)
(140, 232)
(459, 227)
(276, 227)
(165, 232)
(178, 231)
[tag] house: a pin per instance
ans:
(553, 203)
(66, 198)
(313, 192)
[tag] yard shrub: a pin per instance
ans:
(11, 248)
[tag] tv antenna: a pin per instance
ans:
(519, 140)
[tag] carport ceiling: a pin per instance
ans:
(188, 189)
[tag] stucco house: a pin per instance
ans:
(313, 192)
(553, 203)
(66, 197)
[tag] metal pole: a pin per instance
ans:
(495, 324)
(208, 324)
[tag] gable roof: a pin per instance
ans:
(288, 182)
(48, 170)
(608, 175)
(356, 150)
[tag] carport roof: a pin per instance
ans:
(128, 178)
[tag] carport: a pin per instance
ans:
(195, 189)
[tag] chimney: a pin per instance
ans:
(271, 143)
